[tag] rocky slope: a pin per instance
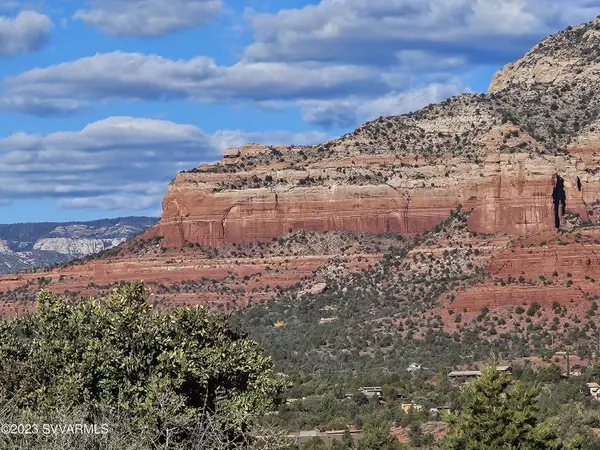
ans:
(233, 276)
(569, 57)
(31, 245)
(263, 221)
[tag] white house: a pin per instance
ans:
(594, 389)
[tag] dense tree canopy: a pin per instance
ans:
(122, 356)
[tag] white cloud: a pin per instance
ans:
(66, 88)
(148, 18)
(396, 103)
(340, 113)
(26, 32)
(116, 163)
(331, 96)
(339, 61)
(223, 139)
(347, 112)
(429, 61)
(372, 32)
(111, 202)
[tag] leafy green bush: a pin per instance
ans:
(534, 308)
(120, 356)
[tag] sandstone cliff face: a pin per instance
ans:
(544, 268)
(495, 153)
(261, 214)
(510, 192)
(515, 195)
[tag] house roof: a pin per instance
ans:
(465, 373)
(475, 373)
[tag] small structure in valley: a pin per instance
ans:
(473, 374)
(372, 391)
(301, 438)
(438, 410)
(415, 367)
(407, 407)
(594, 390)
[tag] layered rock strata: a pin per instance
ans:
(510, 192)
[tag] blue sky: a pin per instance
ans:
(103, 101)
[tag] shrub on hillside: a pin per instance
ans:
(158, 377)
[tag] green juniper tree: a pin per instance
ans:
(501, 415)
(165, 375)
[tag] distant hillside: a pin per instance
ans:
(29, 245)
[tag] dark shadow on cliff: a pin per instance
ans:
(559, 197)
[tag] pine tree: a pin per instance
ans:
(498, 415)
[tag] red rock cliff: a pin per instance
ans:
(495, 153)
(510, 192)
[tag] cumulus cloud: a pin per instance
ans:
(419, 61)
(339, 61)
(66, 88)
(27, 32)
(147, 18)
(396, 103)
(340, 113)
(347, 112)
(329, 95)
(116, 163)
(371, 32)
(111, 202)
